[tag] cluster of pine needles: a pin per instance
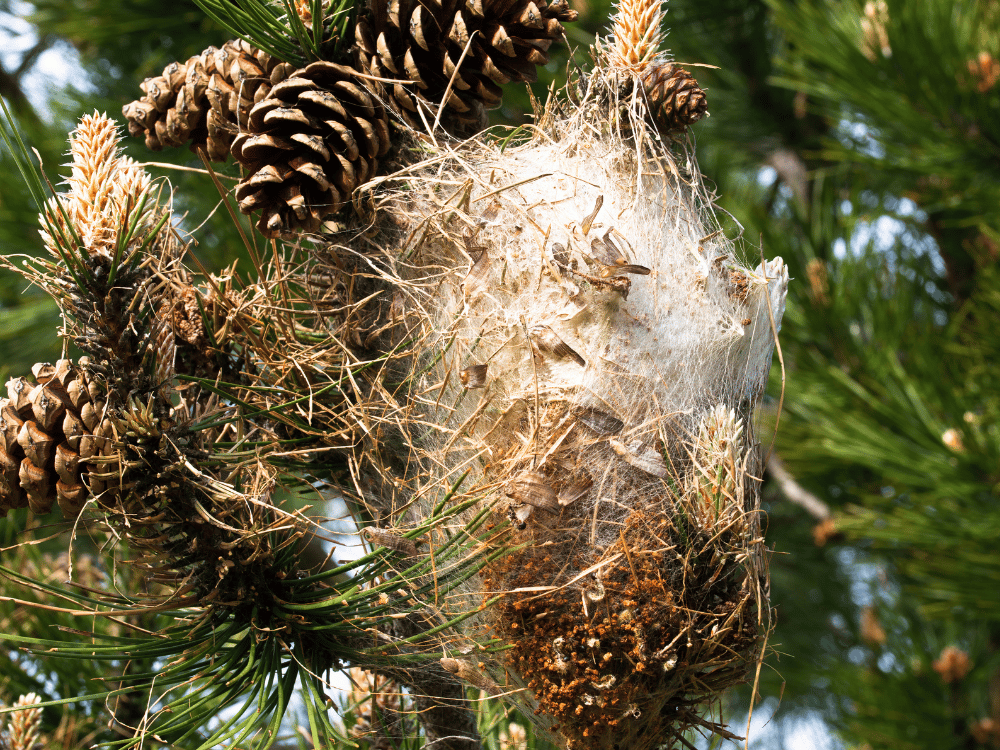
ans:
(231, 409)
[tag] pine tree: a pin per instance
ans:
(181, 437)
(857, 141)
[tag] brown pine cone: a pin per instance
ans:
(423, 42)
(674, 97)
(205, 100)
(48, 431)
(307, 145)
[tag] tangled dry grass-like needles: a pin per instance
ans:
(572, 354)
(530, 368)
(587, 352)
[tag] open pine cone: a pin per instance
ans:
(502, 41)
(205, 100)
(306, 147)
(48, 432)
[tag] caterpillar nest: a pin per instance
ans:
(592, 348)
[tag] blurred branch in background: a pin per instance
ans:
(795, 492)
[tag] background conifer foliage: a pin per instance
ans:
(858, 141)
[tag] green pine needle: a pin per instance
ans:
(276, 27)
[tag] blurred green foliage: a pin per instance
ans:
(858, 140)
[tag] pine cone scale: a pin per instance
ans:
(315, 172)
(494, 73)
(253, 201)
(314, 143)
(284, 116)
(11, 424)
(291, 194)
(47, 405)
(348, 145)
(140, 115)
(291, 87)
(536, 56)
(36, 483)
(531, 17)
(18, 390)
(327, 105)
(246, 71)
(158, 92)
(459, 32)
(70, 495)
(90, 446)
(67, 463)
(486, 92)
(393, 13)
(450, 70)
(423, 29)
(263, 146)
(91, 414)
(220, 94)
(376, 135)
(502, 42)
(8, 465)
(413, 71)
(73, 429)
(175, 75)
(255, 122)
(382, 47)
(357, 97)
(36, 444)
(267, 175)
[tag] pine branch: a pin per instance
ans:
(795, 492)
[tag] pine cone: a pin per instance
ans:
(674, 97)
(205, 100)
(423, 42)
(306, 146)
(48, 431)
